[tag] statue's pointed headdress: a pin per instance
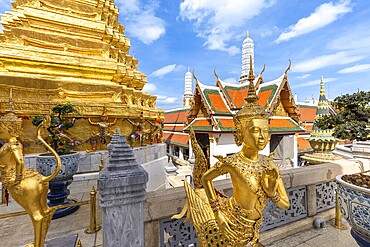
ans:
(10, 120)
(251, 108)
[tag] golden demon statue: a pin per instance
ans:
(235, 221)
(103, 136)
(27, 187)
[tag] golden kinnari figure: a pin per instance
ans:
(27, 187)
(235, 221)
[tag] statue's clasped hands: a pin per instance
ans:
(269, 181)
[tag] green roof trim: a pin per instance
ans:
(306, 106)
(272, 87)
(201, 128)
(176, 111)
(208, 91)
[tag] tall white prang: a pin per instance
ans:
(247, 52)
(188, 94)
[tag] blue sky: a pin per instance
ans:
(322, 38)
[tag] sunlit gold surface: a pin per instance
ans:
(235, 221)
(54, 51)
(27, 187)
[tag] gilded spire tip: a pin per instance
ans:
(214, 71)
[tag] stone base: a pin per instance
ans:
(320, 158)
(64, 241)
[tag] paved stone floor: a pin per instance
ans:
(323, 237)
(18, 231)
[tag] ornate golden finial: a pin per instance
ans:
(196, 79)
(322, 86)
(251, 108)
(251, 72)
(10, 107)
(263, 69)
(101, 165)
(214, 72)
(289, 66)
(10, 121)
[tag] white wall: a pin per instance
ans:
(226, 145)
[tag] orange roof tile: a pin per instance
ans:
(283, 125)
(237, 96)
(180, 116)
(200, 124)
(303, 145)
(217, 104)
(264, 97)
(308, 127)
(173, 127)
(179, 139)
(308, 113)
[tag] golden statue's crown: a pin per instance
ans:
(10, 120)
(251, 108)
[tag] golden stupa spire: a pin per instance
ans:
(251, 96)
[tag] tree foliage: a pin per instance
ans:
(60, 141)
(352, 120)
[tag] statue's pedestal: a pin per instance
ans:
(64, 241)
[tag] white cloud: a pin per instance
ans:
(149, 88)
(314, 82)
(170, 100)
(165, 99)
(304, 76)
(140, 19)
(167, 69)
(356, 38)
(354, 69)
(319, 62)
(231, 80)
(323, 15)
(218, 21)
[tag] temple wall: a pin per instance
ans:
(153, 158)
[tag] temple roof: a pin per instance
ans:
(225, 99)
(277, 125)
(307, 111)
(176, 115)
(179, 139)
(303, 144)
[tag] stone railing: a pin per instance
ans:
(310, 189)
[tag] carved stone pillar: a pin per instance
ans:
(122, 192)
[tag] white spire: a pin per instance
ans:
(188, 94)
(247, 52)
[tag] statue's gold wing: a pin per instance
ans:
(201, 163)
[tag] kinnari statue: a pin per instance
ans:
(27, 187)
(235, 221)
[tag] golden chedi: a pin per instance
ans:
(322, 141)
(235, 221)
(54, 52)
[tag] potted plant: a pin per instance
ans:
(63, 144)
(354, 203)
(352, 123)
